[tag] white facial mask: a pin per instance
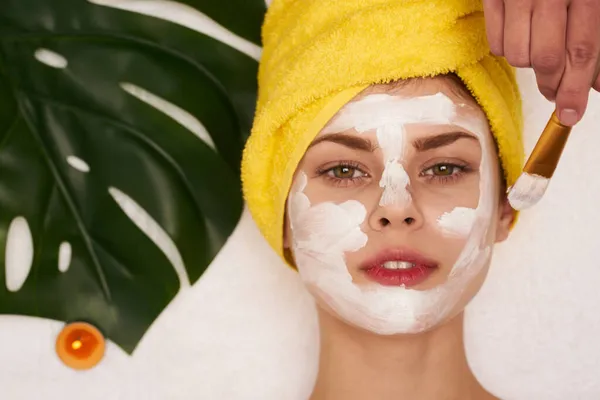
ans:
(323, 233)
(458, 222)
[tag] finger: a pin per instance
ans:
(583, 50)
(548, 45)
(493, 10)
(597, 84)
(517, 31)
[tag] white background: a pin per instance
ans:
(247, 329)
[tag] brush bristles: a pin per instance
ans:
(527, 191)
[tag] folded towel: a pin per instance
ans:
(319, 54)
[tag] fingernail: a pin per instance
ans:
(568, 117)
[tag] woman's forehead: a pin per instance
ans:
(408, 116)
(433, 101)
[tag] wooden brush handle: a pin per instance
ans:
(548, 149)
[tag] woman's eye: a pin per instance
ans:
(445, 172)
(345, 172)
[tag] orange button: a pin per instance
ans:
(80, 345)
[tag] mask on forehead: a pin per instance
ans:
(323, 234)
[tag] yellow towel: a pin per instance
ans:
(318, 54)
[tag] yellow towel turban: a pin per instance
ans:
(319, 54)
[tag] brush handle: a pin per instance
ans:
(548, 149)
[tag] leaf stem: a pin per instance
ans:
(71, 205)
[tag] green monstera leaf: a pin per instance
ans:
(119, 131)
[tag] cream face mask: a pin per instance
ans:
(326, 234)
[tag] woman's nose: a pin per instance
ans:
(396, 216)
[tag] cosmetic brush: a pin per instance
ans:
(533, 182)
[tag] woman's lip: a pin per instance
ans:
(423, 268)
(399, 277)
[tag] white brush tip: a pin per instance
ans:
(527, 191)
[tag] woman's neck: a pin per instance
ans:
(356, 364)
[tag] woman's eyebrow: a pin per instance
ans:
(444, 139)
(350, 141)
(421, 144)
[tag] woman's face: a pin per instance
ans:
(396, 205)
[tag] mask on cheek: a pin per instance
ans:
(323, 233)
